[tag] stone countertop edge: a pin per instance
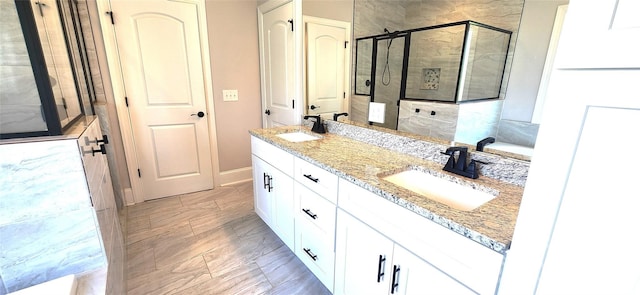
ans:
(491, 224)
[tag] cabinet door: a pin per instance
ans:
(261, 201)
(412, 275)
(363, 258)
(282, 210)
(273, 199)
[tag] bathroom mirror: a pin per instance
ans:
(532, 24)
(46, 81)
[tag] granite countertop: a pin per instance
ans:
(491, 224)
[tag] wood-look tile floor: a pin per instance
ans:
(210, 242)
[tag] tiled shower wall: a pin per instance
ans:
(19, 98)
(370, 19)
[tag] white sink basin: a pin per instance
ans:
(454, 195)
(297, 136)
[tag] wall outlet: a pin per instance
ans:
(230, 95)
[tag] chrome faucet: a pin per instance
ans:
(318, 127)
(460, 166)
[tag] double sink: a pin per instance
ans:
(452, 191)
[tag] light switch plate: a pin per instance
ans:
(230, 95)
(376, 112)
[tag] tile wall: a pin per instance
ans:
(47, 222)
(19, 97)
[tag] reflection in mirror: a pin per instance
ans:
(456, 62)
(387, 77)
(45, 78)
(364, 52)
(512, 122)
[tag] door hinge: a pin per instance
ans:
(345, 44)
(293, 103)
(291, 22)
(139, 173)
(344, 95)
(126, 101)
(110, 13)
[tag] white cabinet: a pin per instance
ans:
(442, 252)
(367, 262)
(370, 245)
(316, 192)
(363, 258)
(273, 188)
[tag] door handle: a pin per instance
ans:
(199, 114)
(395, 282)
(308, 176)
(313, 107)
(311, 214)
(381, 262)
(268, 112)
(308, 251)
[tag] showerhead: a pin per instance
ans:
(391, 34)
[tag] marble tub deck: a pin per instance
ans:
(491, 224)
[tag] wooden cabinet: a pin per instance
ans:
(368, 262)
(273, 188)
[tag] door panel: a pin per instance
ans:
(278, 66)
(174, 160)
(159, 47)
(325, 68)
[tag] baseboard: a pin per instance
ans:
(236, 176)
(128, 196)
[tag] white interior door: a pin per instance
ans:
(327, 66)
(160, 50)
(277, 63)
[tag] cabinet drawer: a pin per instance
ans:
(316, 212)
(273, 155)
(470, 263)
(315, 253)
(321, 181)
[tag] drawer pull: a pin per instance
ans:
(311, 214)
(381, 261)
(396, 279)
(267, 182)
(311, 178)
(308, 251)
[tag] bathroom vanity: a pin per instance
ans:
(326, 197)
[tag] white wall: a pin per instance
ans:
(529, 57)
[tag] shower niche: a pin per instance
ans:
(450, 63)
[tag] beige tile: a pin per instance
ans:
(245, 279)
(155, 206)
(171, 280)
(204, 199)
(174, 250)
(281, 265)
(137, 224)
(210, 242)
(168, 218)
(152, 238)
(140, 262)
